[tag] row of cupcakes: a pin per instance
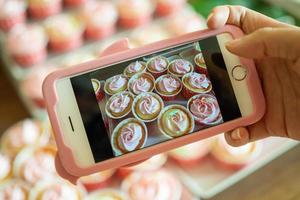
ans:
(131, 12)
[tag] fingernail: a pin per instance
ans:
(209, 16)
(235, 135)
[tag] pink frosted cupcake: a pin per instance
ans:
(97, 180)
(157, 66)
(205, 109)
(5, 168)
(135, 68)
(200, 64)
(27, 45)
(152, 185)
(168, 7)
(133, 13)
(32, 85)
(129, 135)
(12, 12)
(194, 83)
(74, 3)
(139, 83)
(100, 18)
(40, 9)
(108, 194)
(22, 134)
(180, 67)
(168, 87)
(119, 105)
(64, 32)
(97, 88)
(33, 164)
(115, 84)
(14, 189)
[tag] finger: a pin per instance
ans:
(268, 42)
(248, 20)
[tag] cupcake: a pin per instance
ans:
(192, 154)
(168, 7)
(31, 86)
(175, 121)
(152, 185)
(97, 88)
(15, 190)
(134, 68)
(168, 87)
(41, 9)
(119, 105)
(139, 83)
(205, 109)
(22, 134)
(234, 158)
(74, 3)
(180, 67)
(115, 84)
(97, 180)
(152, 164)
(129, 135)
(64, 32)
(27, 44)
(133, 13)
(147, 106)
(55, 189)
(107, 194)
(33, 164)
(200, 64)
(157, 66)
(12, 12)
(100, 18)
(194, 83)
(5, 167)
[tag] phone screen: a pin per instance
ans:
(144, 101)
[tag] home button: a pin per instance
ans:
(239, 72)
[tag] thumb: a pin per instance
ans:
(268, 42)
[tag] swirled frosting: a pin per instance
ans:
(14, 191)
(168, 84)
(61, 191)
(158, 64)
(176, 122)
(5, 166)
(135, 67)
(205, 108)
(149, 105)
(198, 81)
(117, 83)
(141, 85)
(181, 66)
(119, 103)
(130, 136)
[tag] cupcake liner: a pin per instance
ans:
(127, 22)
(74, 3)
(28, 60)
(163, 9)
(121, 124)
(137, 98)
(41, 12)
(110, 99)
(7, 23)
(136, 76)
(97, 33)
(201, 70)
(100, 180)
(109, 80)
(67, 44)
(165, 97)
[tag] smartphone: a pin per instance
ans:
(134, 104)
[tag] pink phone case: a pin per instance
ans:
(65, 161)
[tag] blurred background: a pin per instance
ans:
(38, 36)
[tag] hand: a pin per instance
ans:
(275, 47)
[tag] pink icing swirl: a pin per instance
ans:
(181, 66)
(169, 84)
(149, 105)
(134, 67)
(206, 109)
(141, 85)
(178, 121)
(119, 103)
(117, 82)
(199, 81)
(158, 64)
(130, 136)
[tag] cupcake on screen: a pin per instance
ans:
(180, 67)
(200, 64)
(140, 83)
(175, 121)
(135, 68)
(205, 109)
(157, 66)
(194, 83)
(129, 135)
(147, 106)
(119, 105)
(97, 88)
(14, 189)
(115, 84)
(168, 87)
